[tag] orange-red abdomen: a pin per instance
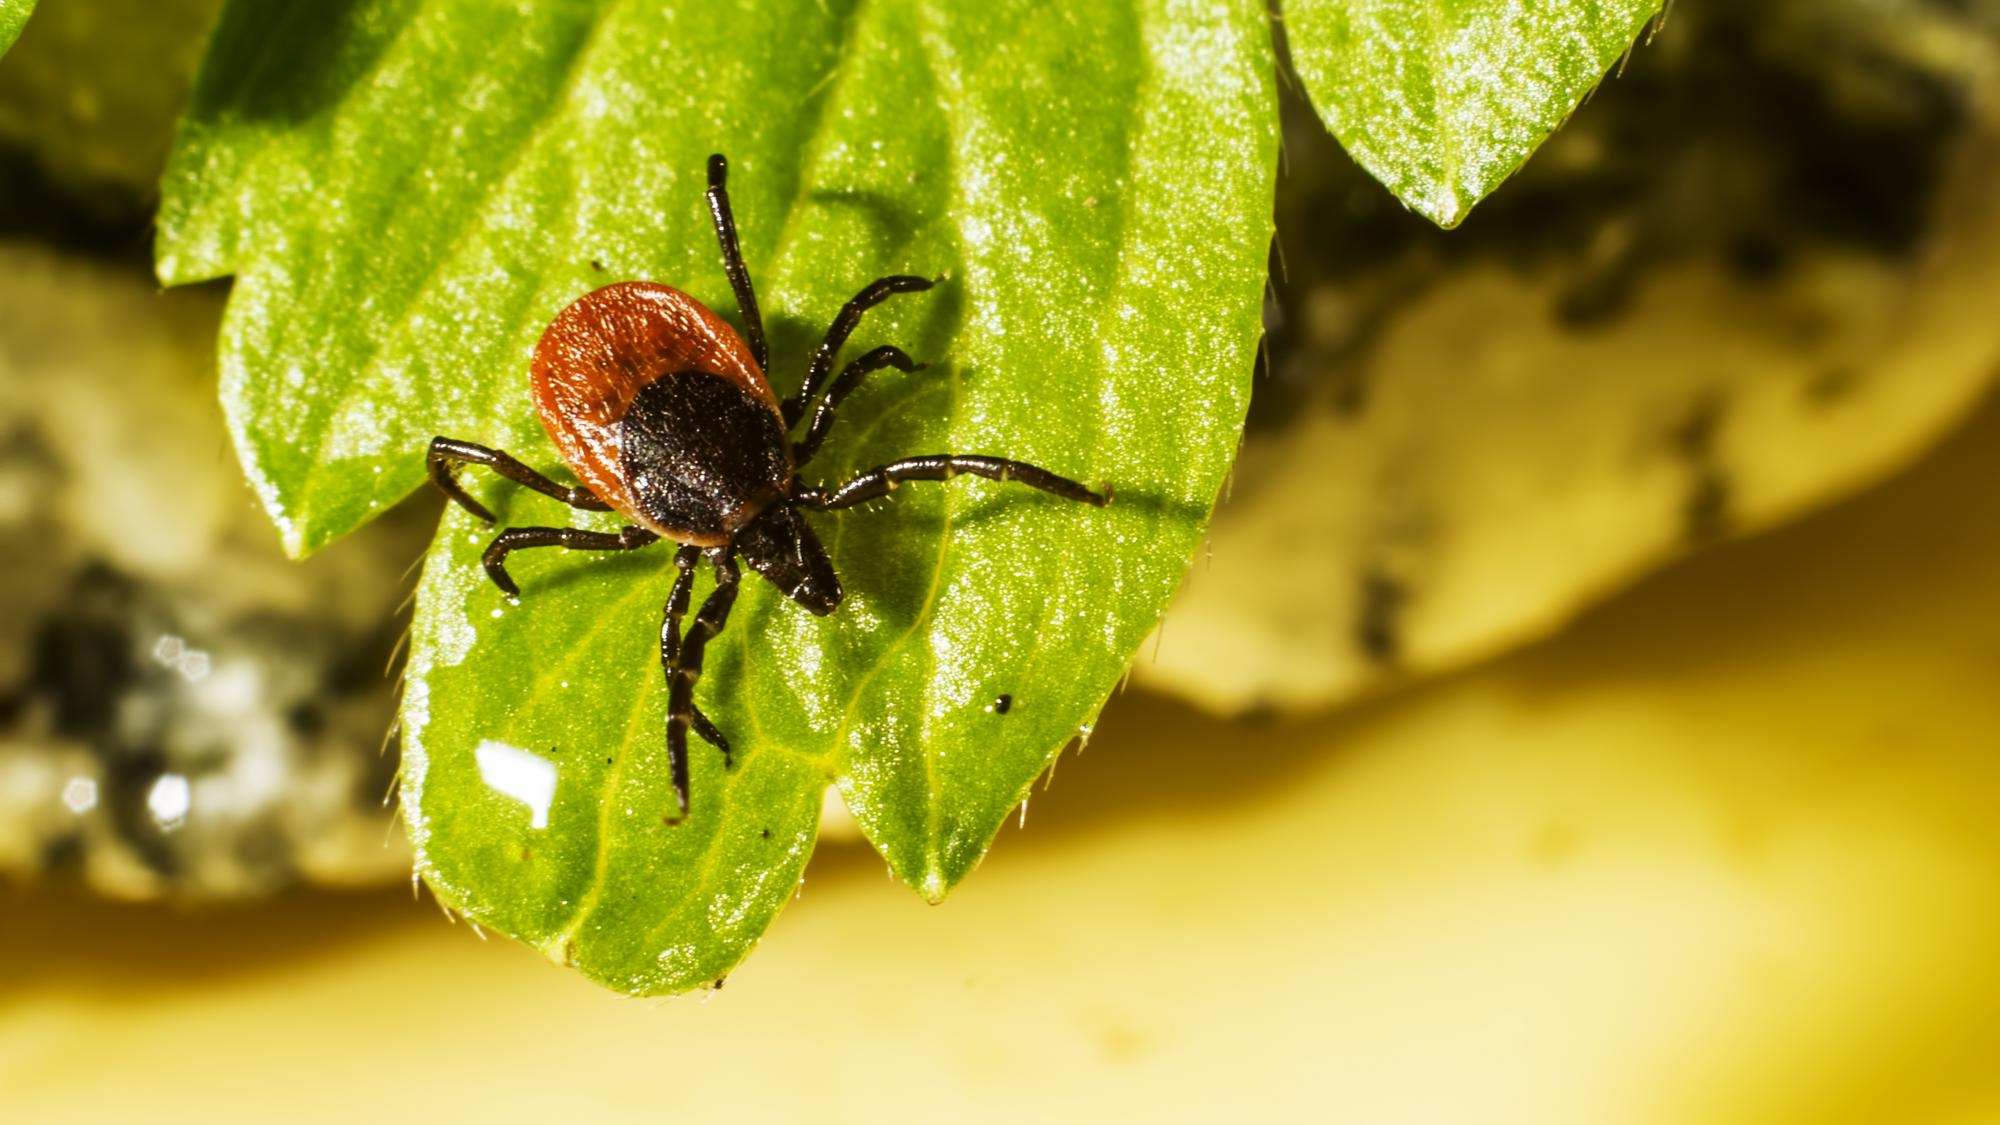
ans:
(602, 351)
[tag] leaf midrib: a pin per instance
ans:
(601, 868)
(1450, 160)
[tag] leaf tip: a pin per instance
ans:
(1447, 204)
(297, 539)
(291, 536)
(935, 886)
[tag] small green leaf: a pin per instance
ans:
(13, 16)
(409, 192)
(1441, 100)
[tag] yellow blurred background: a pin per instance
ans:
(1723, 851)
(1722, 848)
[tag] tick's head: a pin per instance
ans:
(778, 545)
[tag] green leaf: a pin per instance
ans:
(13, 15)
(1441, 100)
(409, 193)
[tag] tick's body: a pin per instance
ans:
(659, 408)
(664, 413)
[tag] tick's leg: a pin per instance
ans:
(850, 378)
(576, 538)
(713, 737)
(843, 327)
(446, 451)
(670, 640)
(683, 666)
(732, 259)
(944, 466)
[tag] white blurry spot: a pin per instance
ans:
(173, 652)
(523, 775)
(168, 801)
(236, 690)
(193, 665)
(25, 779)
(80, 794)
(258, 772)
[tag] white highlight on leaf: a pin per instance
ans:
(521, 774)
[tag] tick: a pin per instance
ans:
(665, 415)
